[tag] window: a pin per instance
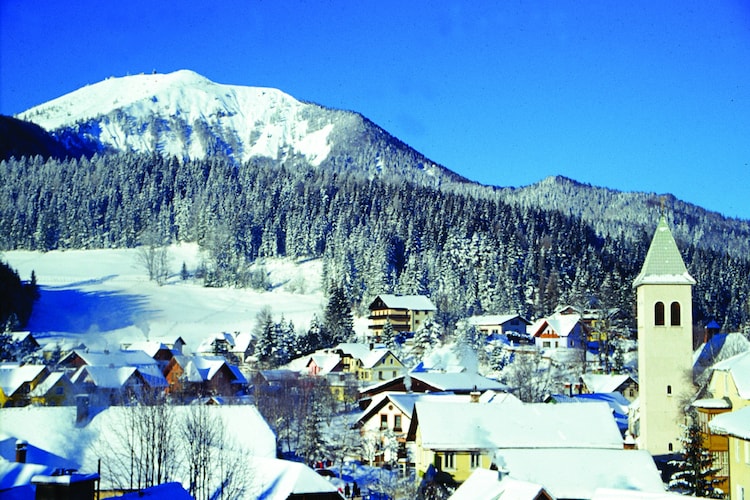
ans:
(383, 421)
(721, 462)
(669, 390)
(659, 314)
(380, 376)
(476, 460)
(740, 492)
(674, 314)
(397, 423)
(546, 344)
(671, 448)
(450, 460)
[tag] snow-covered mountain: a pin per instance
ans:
(184, 114)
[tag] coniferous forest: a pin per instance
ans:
(461, 244)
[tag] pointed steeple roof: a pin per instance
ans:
(663, 264)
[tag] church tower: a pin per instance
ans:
(664, 292)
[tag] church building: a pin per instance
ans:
(665, 343)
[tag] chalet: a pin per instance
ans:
(392, 411)
(559, 330)
(406, 313)
(156, 350)
(55, 390)
(605, 383)
(458, 383)
(512, 326)
(735, 426)
(116, 384)
(203, 376)
(17, 381)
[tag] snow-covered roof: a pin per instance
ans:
(577, 473)
(14, 475)
(452, 426)
(712, 403)
(663, 264)
(204, 368)
(55, 429)
(280, 479)
(354, 349)
(374, 357)
(494, 319)
(410, 302)
(600, 382)
(130, 357)
(326, 362)
(13, 376)
(484, 484)
(615, 494)
(739, 368)
(458, 381)
(45, 385)
(164, 491)
(561, 324)
(719, 347)
(150, 347)
(734, 423)
(104, 377)
(405, 401)
(34, 454)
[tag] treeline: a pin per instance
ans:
(16, 299)
(463, 246)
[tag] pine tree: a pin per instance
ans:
(338, 318)
(695, 471)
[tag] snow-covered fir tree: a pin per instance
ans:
(695, 472)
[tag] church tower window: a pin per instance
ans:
(675, 314)
(659, 314)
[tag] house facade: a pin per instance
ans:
(559, 330)
(406, 313)
(735, 426)
(18, 381)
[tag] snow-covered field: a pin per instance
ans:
(104, 297)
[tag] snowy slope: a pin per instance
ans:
(103, 297)
(187, 115)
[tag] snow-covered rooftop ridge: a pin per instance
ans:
(451, 426)
(733, 423)
(410, 302)
(13, 376)
(492, 319)
(601, 382)
(578, 473)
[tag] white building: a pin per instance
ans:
(665, 321)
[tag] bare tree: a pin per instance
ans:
(215, 467)
(530, 375)
(153, 256)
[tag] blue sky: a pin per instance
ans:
(647, 96)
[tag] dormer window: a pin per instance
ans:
(674, 313)
(659, 314)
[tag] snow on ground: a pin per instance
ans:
(104, 297)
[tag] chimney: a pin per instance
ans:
(21, 448)
(82, 408)
(474, 395)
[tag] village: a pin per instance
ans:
(395, 416)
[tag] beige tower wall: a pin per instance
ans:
(664, 362)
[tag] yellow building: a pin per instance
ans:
(736, 426)
(459, 437)
(406, 313)
(665, 343)
(17, 381)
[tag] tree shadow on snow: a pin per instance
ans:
(74, 311)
